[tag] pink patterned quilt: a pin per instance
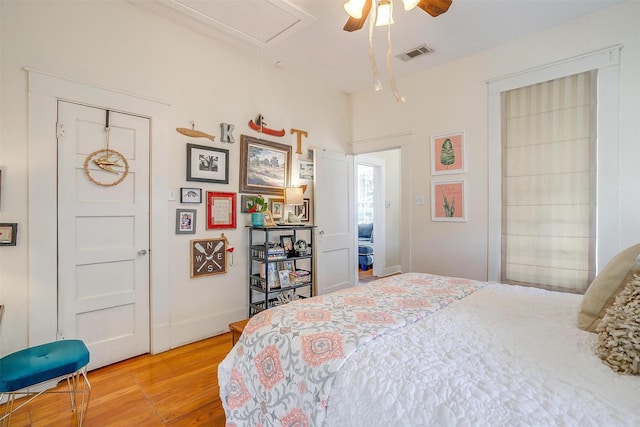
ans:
(281, 370)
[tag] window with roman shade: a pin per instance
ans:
(549, 183)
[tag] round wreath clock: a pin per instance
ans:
(108, 160)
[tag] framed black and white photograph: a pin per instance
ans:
(186, 221)
(305, 170)
(190, 195)
(207, 164)
(265, 167)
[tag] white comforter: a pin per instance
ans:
(503, 356)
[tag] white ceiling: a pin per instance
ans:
(306, 36)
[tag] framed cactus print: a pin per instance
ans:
(448, 201)
(448, 154)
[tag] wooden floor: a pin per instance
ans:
(366, 276)
(175, 388)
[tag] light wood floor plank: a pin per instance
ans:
(176, 388)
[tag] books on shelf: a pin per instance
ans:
(299, 277)
(282, 275)
(273, 252)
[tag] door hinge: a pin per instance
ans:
(60, 130)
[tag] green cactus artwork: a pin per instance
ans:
(447, 154)
(449, 209)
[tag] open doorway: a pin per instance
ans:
(367, 184)
(378, 201)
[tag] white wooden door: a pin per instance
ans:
(334, 209)
(103, 235)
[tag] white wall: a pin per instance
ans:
(453, 97)
(117, 45)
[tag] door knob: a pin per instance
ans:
(142, 252)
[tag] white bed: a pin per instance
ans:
(501, 356)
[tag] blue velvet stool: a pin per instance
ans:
(33, 366)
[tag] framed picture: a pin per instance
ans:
(268, 219)
(265, 167)
(221, 210)
(284, 278)
(305, 170)
(302, 211)
(191, 195)
(286, 265)
(448, 201)
(207, 164)
(447, 154)
(208, 256)
(287, 244)
(186, 221)
(244, 203)
(8, 234)
(276, 206)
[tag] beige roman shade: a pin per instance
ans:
(548, 184)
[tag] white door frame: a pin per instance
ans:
(44, 92)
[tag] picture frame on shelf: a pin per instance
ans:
(448, 154)
(207, 164)
(260, 159)
(448, 201)
(8, 234)
(287, 244)
(186, 221)
(283, 275)
(221, 210)
(276, 206)
(208, 256)
(287, 265)
(190, 195)
(302, 211)
(268, 219)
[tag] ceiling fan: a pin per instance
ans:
(432, 7)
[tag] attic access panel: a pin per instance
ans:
(256, 21)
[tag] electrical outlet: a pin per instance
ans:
(419, 199)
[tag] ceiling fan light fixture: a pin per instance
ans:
(384, 13)
(354, 8)
(410, 4)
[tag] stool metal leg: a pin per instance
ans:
(73, 389)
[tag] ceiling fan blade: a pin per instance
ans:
(434, 7)
(354, 24)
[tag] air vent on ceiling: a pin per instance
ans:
(414, 53)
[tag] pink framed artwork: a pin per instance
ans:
(448, 201)
(447, 153)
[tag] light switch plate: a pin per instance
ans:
(419, 199)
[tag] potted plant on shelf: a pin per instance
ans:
(257, 205)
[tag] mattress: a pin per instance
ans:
(500, 356)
